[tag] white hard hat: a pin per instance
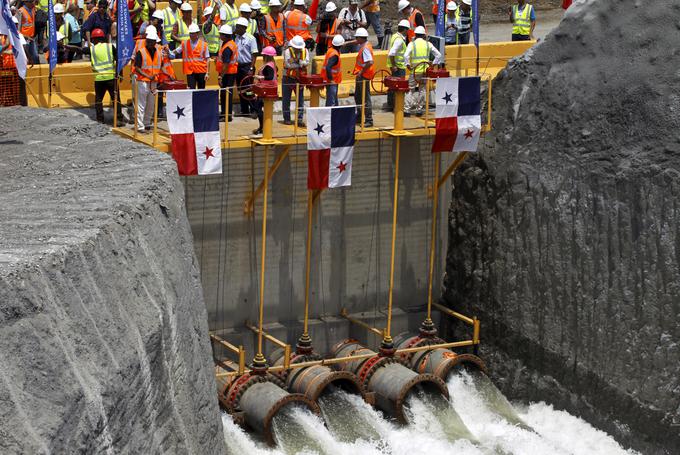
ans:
(420, 30)
(402, 4)
(299, 2)
(186, 7)
(297, 42)
(58, 8)
(60, 36)
(179, 2)
(404, 23)
(157, 14)
(330, 7)
(242, 21)
(451, 6)
(255, 4)
(338, 40)
(467, 2)
(245, 8)
(226, 30)
(361, 33)
(208, 11)
(151, 33)
(193, 28)
(150, 28)
(274, 3)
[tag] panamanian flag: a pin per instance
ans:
(194, 126)
(458, 119)
(330, 145)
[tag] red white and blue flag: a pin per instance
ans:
(194, 126)
(330, 145)
(458, 119)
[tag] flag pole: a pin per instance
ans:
(115, 102)
(304, 344)
(259, 361)
(427, 328)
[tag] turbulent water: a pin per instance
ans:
(479, 420)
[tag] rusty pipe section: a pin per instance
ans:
(314, 380)
(386, 377)
(439, 362)
(254, 400)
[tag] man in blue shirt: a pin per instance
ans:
(98, 19)
(74, 27)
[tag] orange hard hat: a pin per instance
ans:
(97, 33)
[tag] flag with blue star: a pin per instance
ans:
(458, 119)
(194, 126)
(330, 145)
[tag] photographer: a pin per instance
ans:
(349, 20)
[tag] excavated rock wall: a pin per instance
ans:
(565, 228)
(103, 330)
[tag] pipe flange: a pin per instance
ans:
(371, 365)
(470, 359)
(277, 380)
(241, 385)
(419, 379)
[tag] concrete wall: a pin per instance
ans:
(351, 243)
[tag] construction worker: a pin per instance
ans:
(523, 20)
(451, 23)
(247, 56)
(273, 27)
(227, 67)
(26, 16)
(195, 58)
(395, 56)
(211, 33)
(326, 29)
(417, 60)
(258, 17)
(295, 62)
(180, 32)
(298, 23)
(171, 15)
(59, 21)
(229, 13)
(103, 61)
(372, 10)
(331, 71)
(364, 72)
(414, 16)
(247, 12)
(216, 5)
(147, 67)
(349, 20)
(267, 73)
(156, 20)
(464, 21)
(98, 19)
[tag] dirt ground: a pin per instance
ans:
(491, 10)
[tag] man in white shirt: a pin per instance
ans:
(395, 57)
(295, 63)
(247, 55)
(417, 60)
(349, 20)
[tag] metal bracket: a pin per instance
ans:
(249, 203)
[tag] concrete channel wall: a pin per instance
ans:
(351, 243)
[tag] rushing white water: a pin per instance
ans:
(492, 424)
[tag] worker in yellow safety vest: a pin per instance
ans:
(229, 13)
(171, 15)
(103, 61)
(210, 31)
(523, 20)
(247, 13)
(395, 57)
(364, 70)
(180, 32)
(417, 60)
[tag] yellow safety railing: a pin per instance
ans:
(237, 350)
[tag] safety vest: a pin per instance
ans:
(336, 70)
(296, 25)
(138, 17)
(369, 72)
(232, 14)
(27, 22)
(232, 65)
(182, 31)
(329, 34)
(464, 22)
(399, 56)
(252, 27)
(7, 55)
(42, 4)
(167, 72)
(64, 30)
(295, 72)
(169, 21)
(274, 29)
(265, 7)
(139, 45)
(150, 65)
(212, 38)
(521, 20)
(192, 58)
(410, 33)
(435, 7)
(272, 65)
(101, 58)
(420, 52)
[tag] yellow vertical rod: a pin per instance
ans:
(313, 97)
(134, 101)
(399, 111)
(241, 360)
(297, 106)
(433, 233)
(427, 103)
(363, 104)
(387, 339)
(259, 359)
(155, 119)
(115, 103)
(310, 212)
(226, 117)
(267, 119)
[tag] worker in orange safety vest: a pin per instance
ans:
(364, 70)
(195, 58)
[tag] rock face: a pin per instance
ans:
(103, 331)
(565, 229)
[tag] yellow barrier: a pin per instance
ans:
(73, 83)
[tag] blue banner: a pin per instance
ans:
(475, 21)
(52, 35)
(126, 42)
(9, 29)
(440, 25)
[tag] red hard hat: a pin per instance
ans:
(97, 33)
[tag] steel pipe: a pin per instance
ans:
(439, 362)
(386, 377)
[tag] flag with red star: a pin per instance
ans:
(330, 145)
(458, 120)
(194, 126)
